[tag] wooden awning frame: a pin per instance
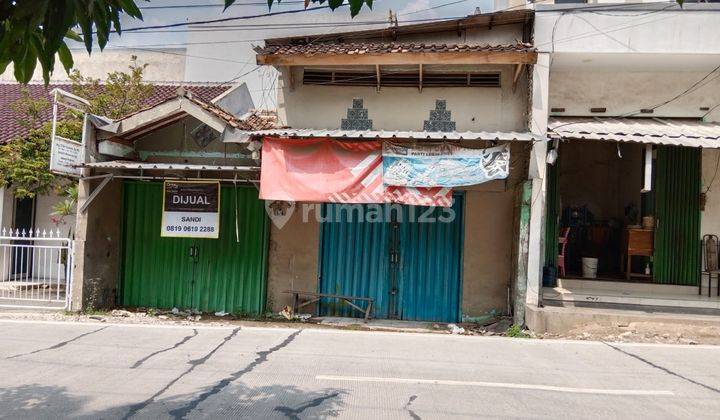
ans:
(408, 58)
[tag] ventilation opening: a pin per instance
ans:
(400, 79)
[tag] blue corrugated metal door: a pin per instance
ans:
(430, 263)
(354, 258)
(409, 261)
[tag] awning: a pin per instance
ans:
(670, 132)
(121, 164)
(391, 135)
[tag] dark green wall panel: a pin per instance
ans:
(677, 207)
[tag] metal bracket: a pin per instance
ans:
(106, 179)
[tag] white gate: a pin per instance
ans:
(35, 269)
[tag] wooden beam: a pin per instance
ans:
(377, 73)
(516, 75)
(421, 79)
(409, 58)
(291, 77)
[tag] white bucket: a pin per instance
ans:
(589, 267)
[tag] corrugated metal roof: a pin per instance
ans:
(124, 164)
(415, 135)
(672, 132)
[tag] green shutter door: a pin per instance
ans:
(677, 207)
(227, 275)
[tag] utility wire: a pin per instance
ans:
(204, 5)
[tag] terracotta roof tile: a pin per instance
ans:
(11, 92)
(384, 48)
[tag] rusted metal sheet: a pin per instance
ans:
(670, 132)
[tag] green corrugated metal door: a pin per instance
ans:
(227, 275)
(677, 207)
(552, 216)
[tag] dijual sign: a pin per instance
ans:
(191, 209)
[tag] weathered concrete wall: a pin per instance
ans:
(165, 65)
(487, 253)
(487, 250)
(593, 175)
(473, 109)
(97, 247)
(292, 260)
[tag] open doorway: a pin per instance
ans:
(595, 200)
(23, 221)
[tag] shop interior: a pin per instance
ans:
(602, 211)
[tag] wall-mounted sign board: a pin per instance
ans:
(65, 156)
(191, 209)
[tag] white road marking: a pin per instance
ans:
(552, 388)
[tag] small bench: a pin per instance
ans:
(317, 296)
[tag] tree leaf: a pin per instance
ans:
(66, 57)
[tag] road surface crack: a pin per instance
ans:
(664, 369)
(184, 411)
(409, 410)
(58, 345)
(174, 346)
(294, 413)
(193, 364)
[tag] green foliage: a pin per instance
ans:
(25, 162)
(35, 31)
(120, 94)
(355, 5)
(29, 109)
(516, 331)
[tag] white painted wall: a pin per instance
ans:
(162, 66)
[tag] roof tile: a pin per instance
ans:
(10, 92)
(384, 48)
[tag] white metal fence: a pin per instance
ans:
(35, 269)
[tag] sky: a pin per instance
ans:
(223, 52)
(160, 12)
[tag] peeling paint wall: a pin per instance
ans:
(292, 260)
(487, 250)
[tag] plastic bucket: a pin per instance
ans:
(589, 267)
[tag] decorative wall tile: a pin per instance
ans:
(357, 117)
(440, 118)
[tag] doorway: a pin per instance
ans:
(407, 258)
(602, 225)
(23, 221)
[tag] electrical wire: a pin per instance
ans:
(208, 5)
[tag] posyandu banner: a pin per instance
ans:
(443, 165)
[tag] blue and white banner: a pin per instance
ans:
(443, 165)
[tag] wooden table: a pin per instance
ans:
(317, 296)
(639, 243)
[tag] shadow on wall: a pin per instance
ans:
(236, 401)
(97, 295)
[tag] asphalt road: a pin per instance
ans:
(56, 370)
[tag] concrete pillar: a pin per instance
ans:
(96, 255)
(538, 155)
